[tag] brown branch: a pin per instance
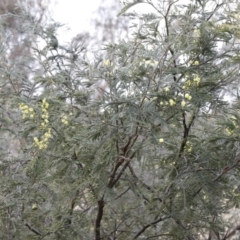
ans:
(149, 225)
(99, 218)
(224, 171)
(121, 194)
(185, 132)
(114, 181)
(214, 10)
(125, 150)
(232, 232)
(119, 162)
(126, 147)
(33, 229)
(135, 139)
(73, 203)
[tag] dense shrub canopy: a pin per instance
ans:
(137, 141)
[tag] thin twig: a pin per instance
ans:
(149, 225)
(121, 194)
(33, 229)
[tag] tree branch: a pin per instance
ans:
(114, 181)
(33, 229)
(121, 194)
(99, 218)
(149, 225)
(232, 232)
(224, 171)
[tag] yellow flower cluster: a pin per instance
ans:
(187, 85)
(192, 83)
(172, 102)
(164, 103)
(161, 140)
(188, 147)
(196, 33)
(27, 112)
(166, 89)
(229, 130)
(196, 80)
(42, 144)
(183, 103)
(188, 96)
(147, 63)
(45, 114)
(107, 63)
(64, 120)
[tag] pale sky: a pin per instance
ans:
(75, 14)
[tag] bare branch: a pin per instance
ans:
(232, 232)
(149, 225)
(33, 229)
(99, 218)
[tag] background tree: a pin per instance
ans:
(104, 26)
(153, 155)
(17, 38)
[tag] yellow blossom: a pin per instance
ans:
(45, 104)
(196, 63)
(42, 146)
(34, 206)
(183, 103)
(27, 112)
(161, 140)
(47, 135)
(172, 102)
(64, 120)
(166, 89)
(188, 96)
(229, 131)
(196, 80)
(188, 147)
(196, 32)
(44, 140)
(106, 63)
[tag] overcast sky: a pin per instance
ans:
(75, 14)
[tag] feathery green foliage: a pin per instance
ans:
(137, 141)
